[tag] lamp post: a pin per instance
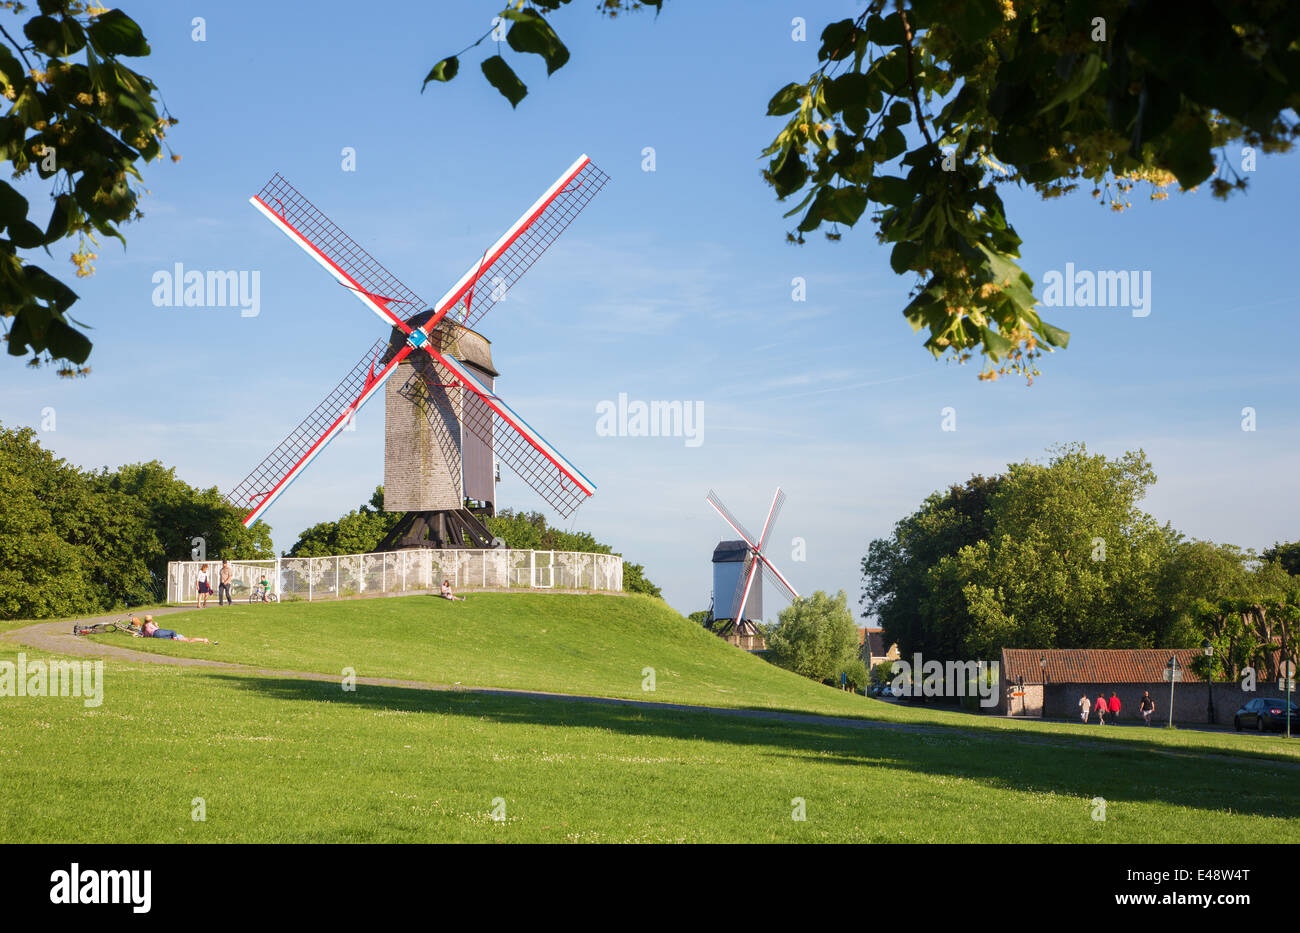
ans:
(1207, 648)
(1171, 666)
(1042, 687)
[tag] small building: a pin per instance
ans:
(1048, 683)
(871, 647)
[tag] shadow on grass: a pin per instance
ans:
(1197, 780)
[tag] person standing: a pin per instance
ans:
(205, 588)
(1114, 707)
(1085, 706)
(223, 583)
(1100, 709)
(1147, 706)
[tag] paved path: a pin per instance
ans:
(57, 638)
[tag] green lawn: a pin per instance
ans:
(279, 759)
(596, 645)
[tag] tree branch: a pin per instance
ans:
(911, 74)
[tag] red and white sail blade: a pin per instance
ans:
(729, 518)
(515, 443)
(340, 256)
(751, 574)
(273, 475)
(776, 573)
(777, 501)
(505, 261)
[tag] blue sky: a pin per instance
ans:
(674, 284)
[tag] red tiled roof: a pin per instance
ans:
(1097, 665)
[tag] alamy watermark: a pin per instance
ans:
(1107, 288)
(636, 418)
(53, 678)
(920, 678)
(214, 288)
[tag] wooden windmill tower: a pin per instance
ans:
(444, 427)
(738, 577)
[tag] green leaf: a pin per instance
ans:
(1082, 77)
(115, 33)
(787, 99)
(502, 77)
(890, 189)
(66, 343)
(890, 144)
(994, 342)
(837, 41)
(26, 235)
(903, 255)
(13, 206)
(533, 34)
(1187, 153)
(788, 172)
(1054, 335)
(445, 70)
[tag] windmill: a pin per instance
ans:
(444, 427)
(738, 572)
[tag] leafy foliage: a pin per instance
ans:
(75, 542)
(1054, 555)
(357, 532)
(816, 637)
(1288, 555)
(85, 122)
(920, 110)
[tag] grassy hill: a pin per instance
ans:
(276, 758)
(597, 644)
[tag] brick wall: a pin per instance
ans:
(1190, 700)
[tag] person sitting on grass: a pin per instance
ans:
(448, 594)
(150, 629)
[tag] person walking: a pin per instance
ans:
(1148, 707)
(1085, 707)
(223, 583)
(1100, 709)
(205, 588)
(1114, 707)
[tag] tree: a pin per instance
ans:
(898, 590)
(74, 542)
(357, 532)
(1054, 555)
(84, 121)
(1288, 555)
(922, 109)
(815, 637)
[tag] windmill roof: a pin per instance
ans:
(729, 551)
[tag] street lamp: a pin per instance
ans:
(1171, 671)
(1207, 648)
(1042, 666)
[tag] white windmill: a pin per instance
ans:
(738, 574)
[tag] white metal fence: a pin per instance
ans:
(408, 571)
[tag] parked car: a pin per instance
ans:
(1267, 715)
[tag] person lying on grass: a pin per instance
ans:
(151, 630)
(448, 594)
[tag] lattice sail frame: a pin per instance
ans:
(502, 264)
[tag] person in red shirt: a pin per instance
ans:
(1114, 706)
(1100, 709)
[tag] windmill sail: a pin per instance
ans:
(270, 478)
(546, 471)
